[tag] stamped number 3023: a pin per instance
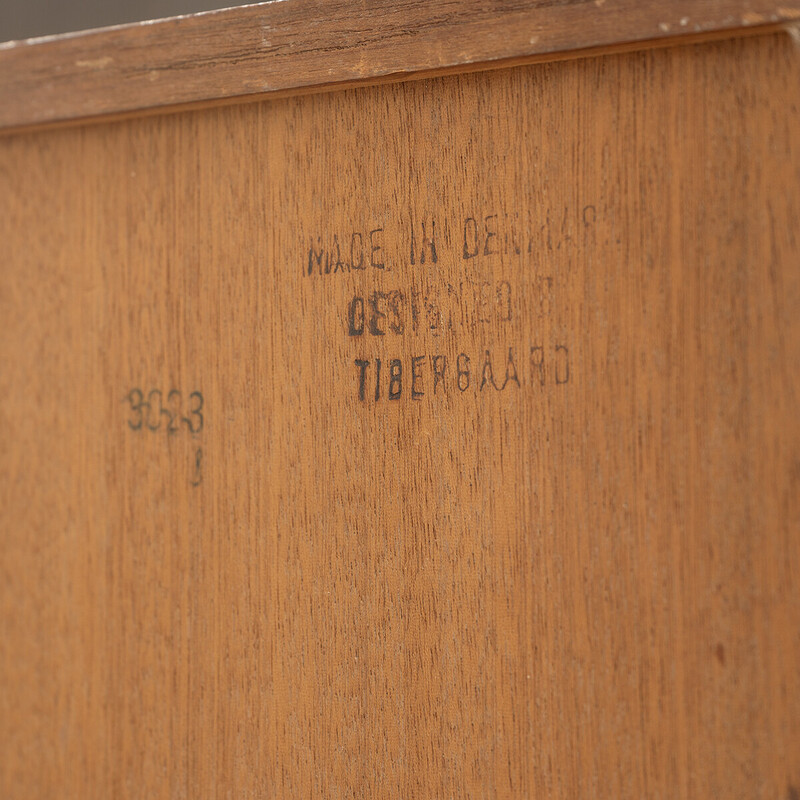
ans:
(153, 410)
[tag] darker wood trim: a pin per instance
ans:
(290, 46)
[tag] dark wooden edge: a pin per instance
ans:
(291, 46)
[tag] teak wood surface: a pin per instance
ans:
(551, 550)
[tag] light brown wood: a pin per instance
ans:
(581, 585)
(284, 47)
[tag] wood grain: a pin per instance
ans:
(283, 47)
(581, 585)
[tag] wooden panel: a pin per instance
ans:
(281, 47)
(573, 574)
